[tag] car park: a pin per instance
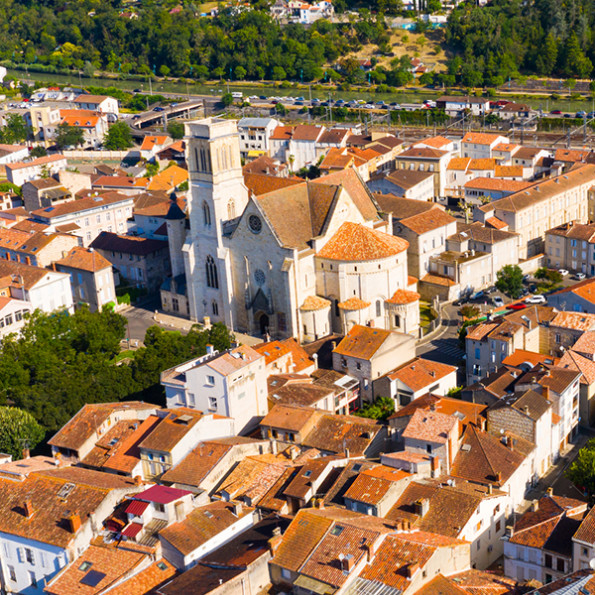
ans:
(536, 299)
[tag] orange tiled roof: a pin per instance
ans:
(431, 426)
(504, 171)
(482, 164)
(437, 280)
(480, 138)
(496, 223)
(313, 303)
(404, 296)
(459, 163)
(436, 142)
(353, 304)
(427, 221)
(421, 373)
(169, 178)
(85, 259)
(356, 242)
(150, 142)
(362, 341)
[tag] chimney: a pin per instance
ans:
(26, 454)
(321, 503)
(432, 406)
(277, 532)
(412, 569)
(333, 345)
(275, 540)
(490, 489)
(273, 446)
(237, 508)
(138, 480)
(422, 506)
(545, 391)
(368, 548)
(498, 476)
(435, 467)
(210, 349)
(509, 442)
(509, 530)
(315, 358)
(550, 491)
(74, 522)
(28, 506)
(347, 562)
(526, 409)
(535, 505)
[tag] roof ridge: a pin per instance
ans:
(476, 432)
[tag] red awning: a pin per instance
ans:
(137, 507)
(132, 530)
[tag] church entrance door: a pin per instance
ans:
(264, 324)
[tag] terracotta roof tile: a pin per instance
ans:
(459, 163)
(362, 342)
(372, 485)
(200, 525)
(431, 426)
(404, 296)
(313, 303)
(437, 280)
(428, 221)
(356, 242)
(480, 138)
(353, 304)
(421, 373)
(84, 259)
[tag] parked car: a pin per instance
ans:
(563, 272)
(536, 299)
(580, 276)
(478, 295)
(498, 301)
(518, 306)
(556, 112)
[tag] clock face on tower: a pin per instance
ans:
(255, 224)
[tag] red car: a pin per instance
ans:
(517, 306)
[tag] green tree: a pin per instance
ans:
(175, 129)
(240, 73)
(15, 131)
(469, 311)
(38, 151)
(118, 137)
(510, 280)
(575, 61)
(152, 169)
(546, 60)
(18, 430)
(227, 99)
(69, 136)
(382, 409)
(582, 470)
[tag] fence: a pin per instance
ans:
(95, 154)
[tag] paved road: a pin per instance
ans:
(140, 318)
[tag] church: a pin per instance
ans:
(302, 260)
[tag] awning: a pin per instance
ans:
(132, 530)
(136, 507)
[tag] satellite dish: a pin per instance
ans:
(592, 563)
(501, 430)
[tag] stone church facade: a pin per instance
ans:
(301, 261)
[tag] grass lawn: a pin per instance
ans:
(425, 313)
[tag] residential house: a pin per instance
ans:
(42, 288)
(504, 463)
(516, 112)
(179, 431)
(479, 145)
(97, 103)
(106, 565)
(20, 172)
(329, 433)
(416, 378)
(152, 145)
(457, 509)
(366, 353)
(123, 184)
(417, 185)
(13, 153)
(93, 125)
(141, 262)
(535, 161)
(232, 384)
(203, 468)
(91, 277)
(583, 543)
(38, 248)
(250, 552)
(12, 315)
(375, 491)
(428, 160)
(571, 245)
(295, 145)
(440, 142)
(480, 190)
(504, 152)
(528, 415)
(426, 234)
(501, 244)
(152, 210)
(454, 105)
(44, 192)
(538, 546)
(88, 217)
(543, 206)
(48, 518)
(254, 136)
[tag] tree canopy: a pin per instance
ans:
(582, 470)
(15, 131)
(59, 362)
(69, 136)
(18, 431)
(510, 280)
(118, 137)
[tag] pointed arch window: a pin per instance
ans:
(231, 209)
(212, 277)
(378, 307)
(206, 214)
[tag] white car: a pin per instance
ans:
(535, 299)
(580, 276)
(563, 272)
